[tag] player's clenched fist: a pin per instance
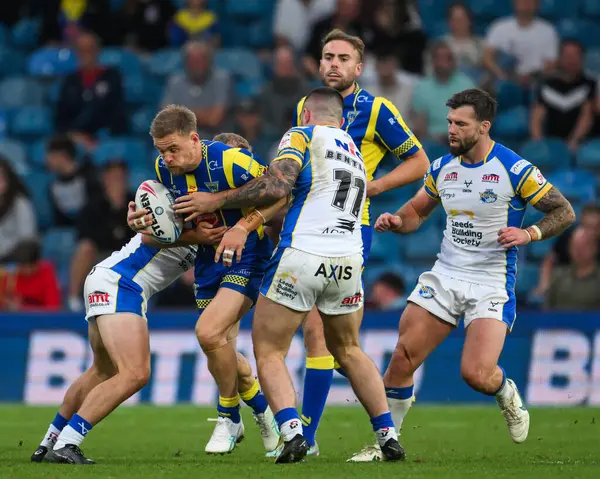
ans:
(388, 222)
(138, 220)
(509, 237)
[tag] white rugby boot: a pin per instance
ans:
(514, 411)
(225, 436)
(368, 454)
(269, 431)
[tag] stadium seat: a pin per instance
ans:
(37, 184)
(548, 154)
(241, 62)
(585, 31)
(490, 9)
(52, 61)
(249, 8)
(386, 248)
(3, 124)
(58, 246)
(138, 175)
(16, 154)
(590, 8)
(16, 92)
(31, 122)
(538, 250)
(509, 95)
(140, 121)
(588, 155)
(12, 62)
(431, 11)
(422, 246)
(126, 61)
(26, 33)
(592, 62)
(434, 149)
(259, 35)
(165, 61)
(134, 152)
(474, 73)
(247, 88)
(578, 186)
(527, 279)
(555, 10)
(511, 124)
(135, 91)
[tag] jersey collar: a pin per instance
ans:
(350, 99)
(486, 158)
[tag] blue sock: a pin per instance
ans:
(286, 415)
(229, 408)
(317, 382)
(80, 425)
(382, 421)
(289, 423)
(400, 393)
(255, 399)
(502, 383)
(59, 422)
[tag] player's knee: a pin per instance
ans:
(209, 338)
(137, 376)
(345, 355)
(475, 375)
(402, 362)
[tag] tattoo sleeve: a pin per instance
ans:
(275, 184)
(558, 211)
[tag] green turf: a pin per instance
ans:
(442, 442)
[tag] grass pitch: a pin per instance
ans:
(441, 442)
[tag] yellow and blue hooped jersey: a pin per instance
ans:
(377, 129)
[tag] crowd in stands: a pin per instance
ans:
(80, 81)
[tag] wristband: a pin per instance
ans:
(528, 234)
(261, 215)
(534, 232)
(240, 227)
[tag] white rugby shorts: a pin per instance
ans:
(300, 280)
(107, 292)
(451, 299)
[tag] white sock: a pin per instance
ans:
(399, 409)
(51, 437)
(505, 393)
(290, 429)
(383, 435)
(68, 436)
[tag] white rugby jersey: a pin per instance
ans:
(480, 199)
(329, 196)
(152, 269)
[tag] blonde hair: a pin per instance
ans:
(173, 119)
(355, 41)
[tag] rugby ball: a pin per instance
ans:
(166, 225)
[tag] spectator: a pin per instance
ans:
(73, 184)
(204, 89)
(194, 23)
(392, 83)
(249, 125)
(576, 287)
(431, 93)
(533, 42)
(17, 216)
(279, 97)
(396, 27)
(387, 293)
(146, 23)
(91, 99)
(564, 106)
(346, 18)
(467, 47)
(102, 229)
(295, 19)
(32, 285)
(559, 256)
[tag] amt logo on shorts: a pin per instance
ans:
(99, 298)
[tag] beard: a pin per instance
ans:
(464, 145)
(340, 84)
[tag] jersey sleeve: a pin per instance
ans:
(296, 120)
(528, 182)
(161, 169)
(430, 179)
(294, 145)
(240, 166)
(392, 132)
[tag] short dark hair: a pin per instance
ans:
(233, 139)
(328, 96)
(173, 119)
(591, 208)
(355, 41)
(62, 143)
(393, 281)
(572, 41)
(484, 105)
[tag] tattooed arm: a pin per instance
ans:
(558, 216)
(275, 184)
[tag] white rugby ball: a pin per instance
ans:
(166, 225)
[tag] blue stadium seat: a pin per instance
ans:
(490, 9)
(135, 89)
(52, 61)
(577, 185)
(247, 88)
(585, 31)
(588, 155)
(547, 154)
(434, 149)
(538, 250)
(12, 62)
(16, 92)
(431, 11)
(37, 182)
(509, 95)
(422, 246)
(126, 61)
(249, 8)
(527, 279)
(506, 61)
(16, 154)
(592, 62)
(138, 175)
(474, 73)
(511, 124)
(140, 121)
(165, 61)
(31, 122)
(386, 248)
(590, 8)
(259, 34)
(58, 246)
(241, 62)
(26, 33)
(134, 152)
(409, 274)
(558, 9)
(3, 124)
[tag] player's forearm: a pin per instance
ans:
(411, 220)
(559, 215)
(410, 170)
(187, 238)
(259, 217)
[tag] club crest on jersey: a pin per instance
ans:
(488, 196)
(213, 187)
(451, 176)
(426, 292)
(490, 178)
(352, 116)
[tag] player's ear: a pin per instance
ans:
(194, 137)
(342, 122)
(485, 126)
(305, 117)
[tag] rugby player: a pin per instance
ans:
(377, 129)
(116, 294)
(484, 189)
(322, 168)
(187, 165)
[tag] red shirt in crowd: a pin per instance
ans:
(30, 288)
